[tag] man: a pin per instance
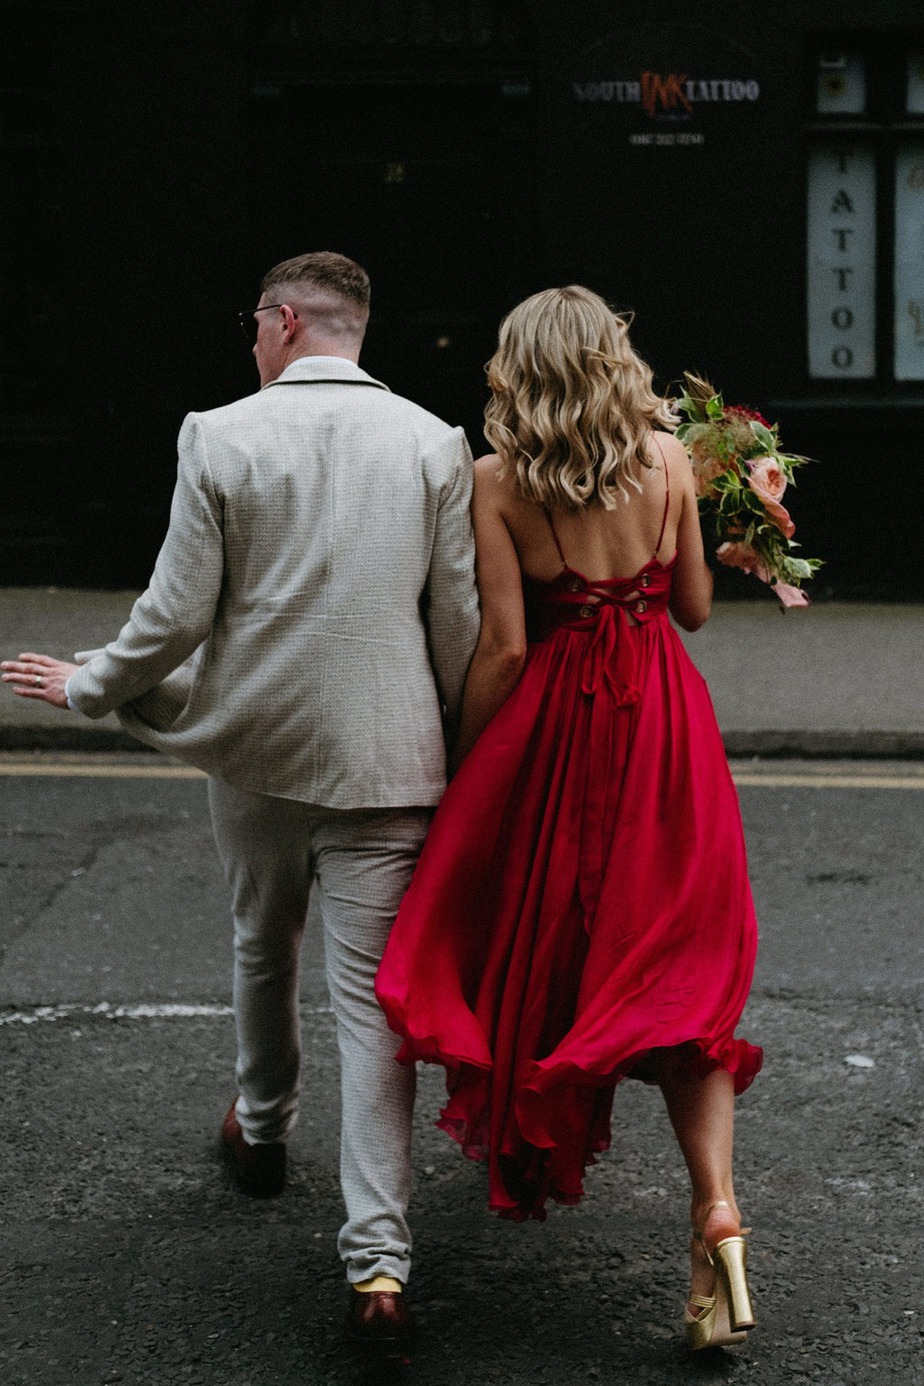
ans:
(304, 639)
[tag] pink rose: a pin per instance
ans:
(768, 482)
(767, 479)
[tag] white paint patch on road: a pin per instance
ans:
(166, 1010)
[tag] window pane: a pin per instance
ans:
(916, 84)
(909, 263)
(841, 84)
(841, 262)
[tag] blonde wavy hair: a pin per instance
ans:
(571, 403)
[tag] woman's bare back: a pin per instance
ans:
(599, 543)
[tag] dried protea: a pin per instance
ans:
(699, 390)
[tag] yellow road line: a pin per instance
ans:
(804, 781)
(56, 770)
(101, 767)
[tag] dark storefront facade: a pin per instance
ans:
(752, 189)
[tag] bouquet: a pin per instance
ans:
(741, 475)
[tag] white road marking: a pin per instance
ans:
(167, 1010)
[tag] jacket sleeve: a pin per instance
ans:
(452, 599)
(173, 617)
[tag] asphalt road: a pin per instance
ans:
(127, 1258)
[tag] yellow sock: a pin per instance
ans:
(379, 1282)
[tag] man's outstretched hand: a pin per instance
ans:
(38, 676)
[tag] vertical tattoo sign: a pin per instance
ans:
(909, 263)
(841, 262)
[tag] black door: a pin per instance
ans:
(432, 189)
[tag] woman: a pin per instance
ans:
(581, 912)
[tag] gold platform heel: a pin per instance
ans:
(731, 1258)
(726, 1315)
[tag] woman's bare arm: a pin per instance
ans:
(691, 587)
(501, 650)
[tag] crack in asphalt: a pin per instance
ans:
(97, 835)
(23, 925)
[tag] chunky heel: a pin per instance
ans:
(725, 1316)
(731, 1256)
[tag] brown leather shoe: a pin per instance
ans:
(259, 1170)
(379, 1321)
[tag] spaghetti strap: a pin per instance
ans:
(667, 498)
(667, 503)
(561, 552)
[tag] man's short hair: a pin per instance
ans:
(325, 270)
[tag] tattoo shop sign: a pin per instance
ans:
(670, 108)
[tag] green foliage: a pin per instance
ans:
(764, 436)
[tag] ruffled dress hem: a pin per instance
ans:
(537, 1099)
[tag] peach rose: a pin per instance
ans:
(767, 479)
(744, 557)
(704, 473)
(768, 482)
(749, 560)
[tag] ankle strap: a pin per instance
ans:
(719, 1203)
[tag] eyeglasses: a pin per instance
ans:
(246, 320)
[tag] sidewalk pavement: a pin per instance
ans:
(836, 679)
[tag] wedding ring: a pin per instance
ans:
(38, 680)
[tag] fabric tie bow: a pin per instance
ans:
(611, 657)
(610, 663)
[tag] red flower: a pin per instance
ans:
(744, 413)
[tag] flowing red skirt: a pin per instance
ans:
(582, 899)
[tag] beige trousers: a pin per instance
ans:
(360, 862)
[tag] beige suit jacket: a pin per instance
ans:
(313, 608)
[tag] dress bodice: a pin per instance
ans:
(576, 602)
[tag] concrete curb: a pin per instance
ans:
(826, 745)
(69, 738)
(840, 681)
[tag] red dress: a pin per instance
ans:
(582, 897)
